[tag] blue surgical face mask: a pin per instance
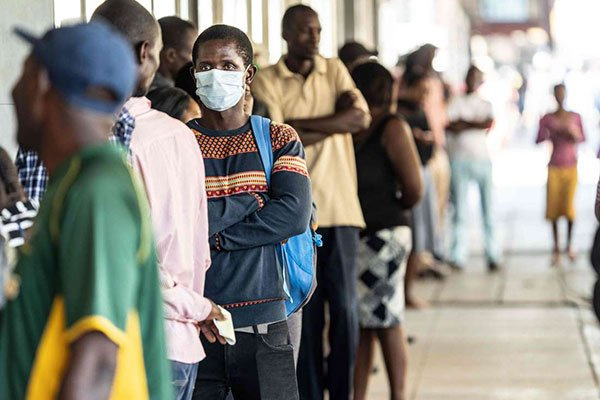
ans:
(220, 90)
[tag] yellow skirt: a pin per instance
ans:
(560, 197)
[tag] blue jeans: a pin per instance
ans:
(463, 173)
(426, 235)
(184, 379)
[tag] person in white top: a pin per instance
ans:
(470, 119)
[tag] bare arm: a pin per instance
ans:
(347, 118)
(570, 132)
(402, 152)
(421, 136)
(351, 120)
(91, 368)
(462, 125)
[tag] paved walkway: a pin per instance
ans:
(525, 333)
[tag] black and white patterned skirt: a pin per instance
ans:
(382, 261)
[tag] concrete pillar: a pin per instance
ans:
(358, 21)
(347, 23)
(36, 16)
(365, 22)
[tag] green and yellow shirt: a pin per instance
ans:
(88, 266)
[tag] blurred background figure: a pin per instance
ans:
(185, 81)
(389, 184)
(425, 232)
(564, 130)
(421, 83)
(419, 65)
(16, 217)
(174, 102)
(471, 118)
(178, 38)
(354, 53)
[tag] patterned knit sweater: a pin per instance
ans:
(247, 219)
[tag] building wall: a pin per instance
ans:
(36, 16)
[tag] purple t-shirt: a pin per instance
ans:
(564, 148)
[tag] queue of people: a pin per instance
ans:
(154, 268)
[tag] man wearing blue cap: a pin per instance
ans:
(86, 321)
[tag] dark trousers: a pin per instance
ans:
(257, 367)
(336, 278)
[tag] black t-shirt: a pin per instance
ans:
(416, 118)
(378, 188)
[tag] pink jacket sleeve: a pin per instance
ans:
(180, 303)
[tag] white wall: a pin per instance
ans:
(36, 16)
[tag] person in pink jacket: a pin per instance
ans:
(165, 156)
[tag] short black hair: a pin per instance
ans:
(185, 81)
(226, 32)
(130, 18)
(418, 65)
(414, 80)
(290, 15)
(375, 83)
(560, 85)
(352, 51)
(173, 31)
(170, 100)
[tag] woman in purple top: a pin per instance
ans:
(564, 129)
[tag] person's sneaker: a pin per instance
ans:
(493, 266)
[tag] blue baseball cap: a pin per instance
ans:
(85, 56)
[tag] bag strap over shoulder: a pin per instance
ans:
(261, 129)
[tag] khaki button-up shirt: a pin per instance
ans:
(331, 163)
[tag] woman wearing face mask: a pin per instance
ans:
(247, 221)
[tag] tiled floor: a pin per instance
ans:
(528, 340)
(526, 333)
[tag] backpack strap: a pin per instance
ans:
(261, 129)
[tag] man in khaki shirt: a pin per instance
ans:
(319, 99)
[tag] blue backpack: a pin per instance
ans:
(297, 255)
